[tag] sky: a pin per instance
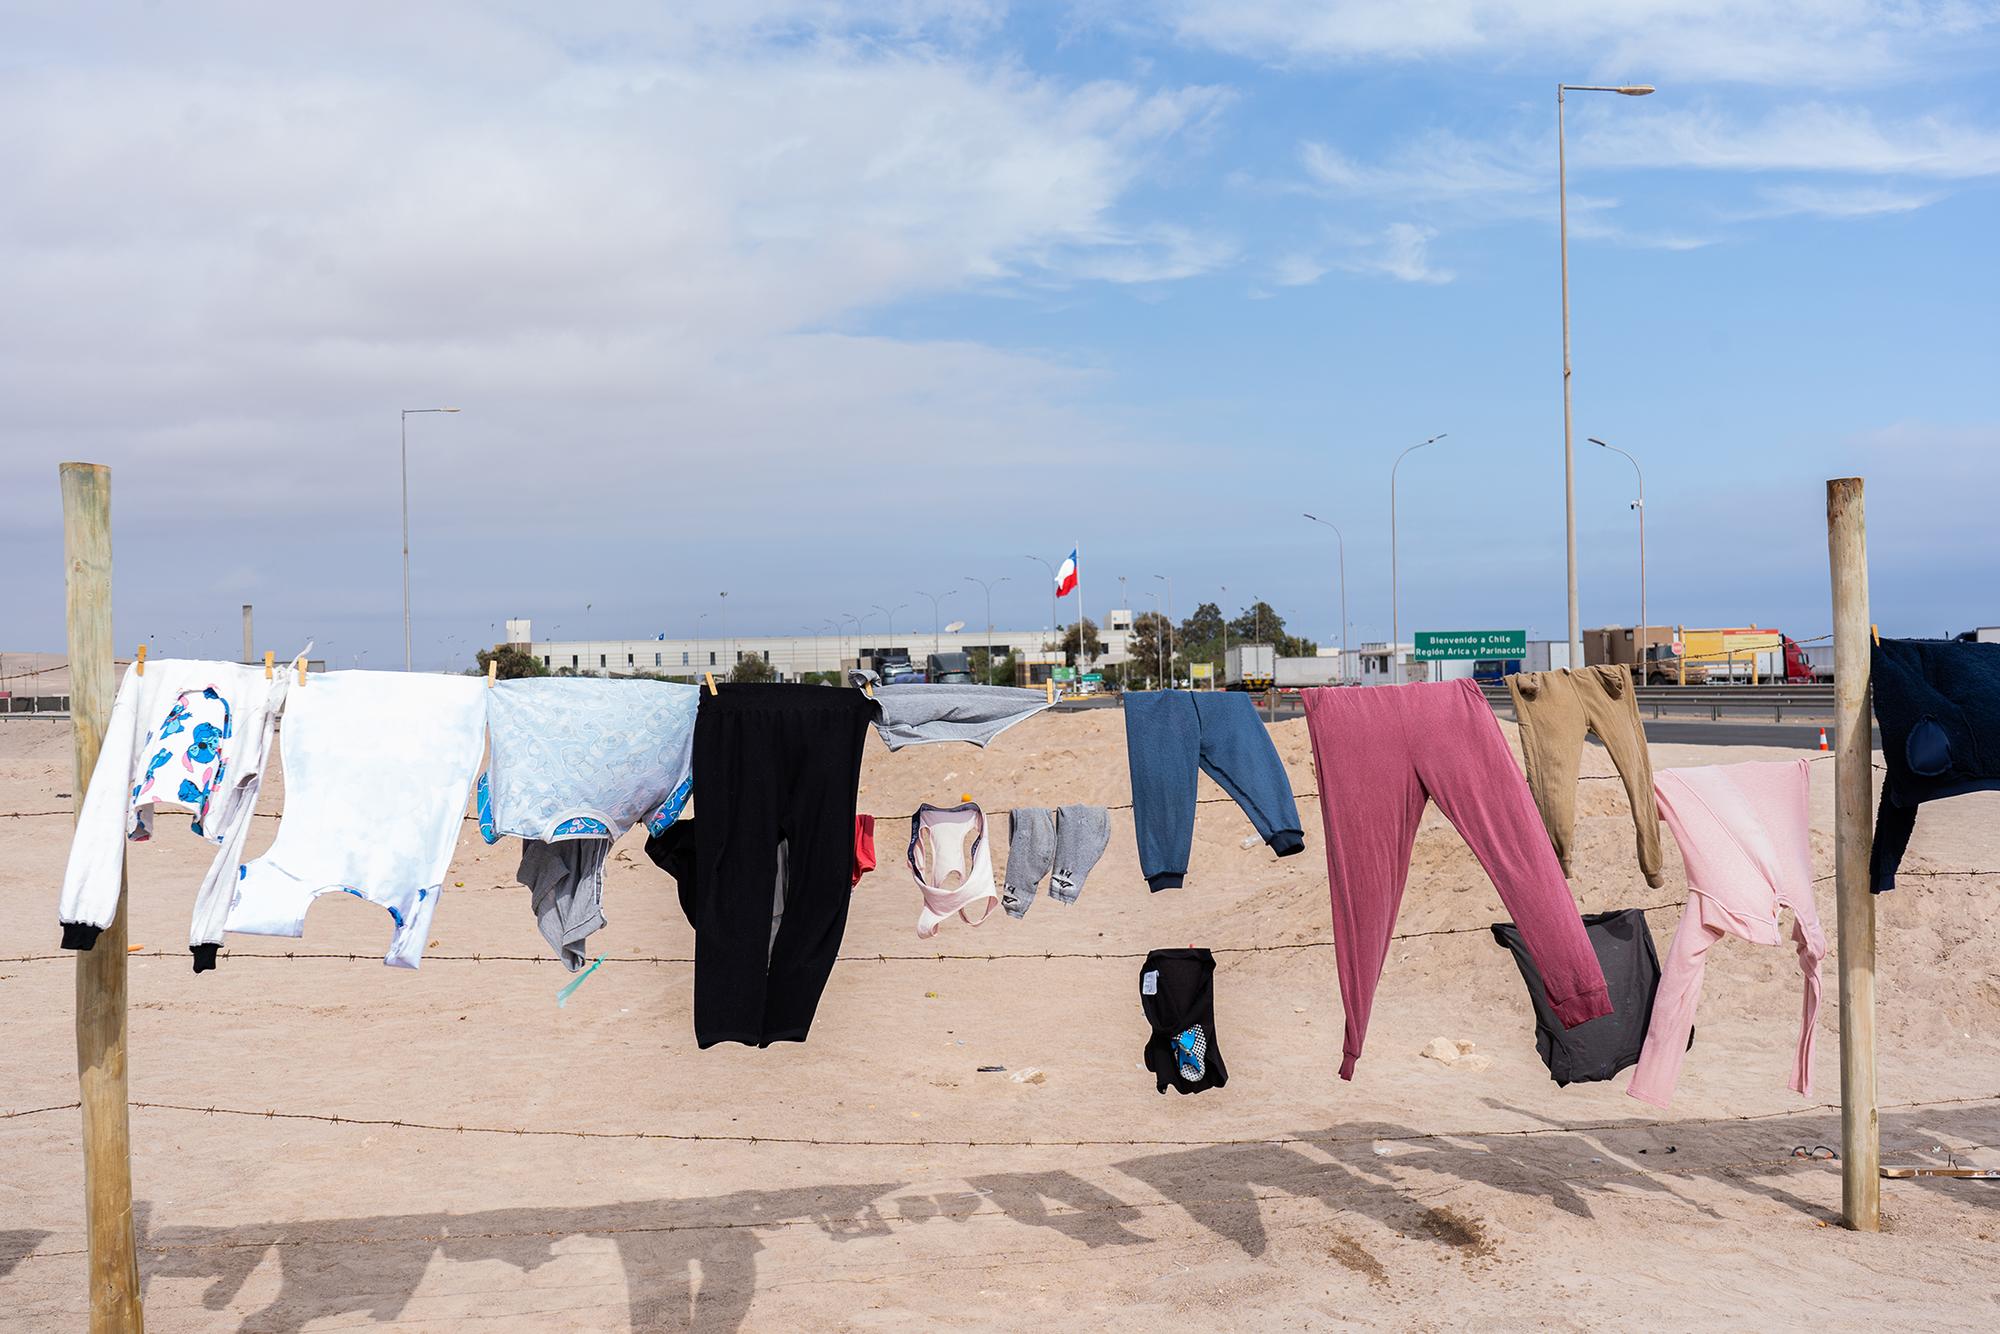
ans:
(832, 305)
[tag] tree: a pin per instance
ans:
(751, 667)
(993, 669)
(1260, 624)
(1199, 638)
(514, 662)
(1146, 646)
(1093, 647)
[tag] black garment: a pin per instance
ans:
(771, 763)
(1177, 992)
(1598, 1048)
(1938, 704)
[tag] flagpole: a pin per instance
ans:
(1082, 658)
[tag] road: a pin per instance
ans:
(1681, 731)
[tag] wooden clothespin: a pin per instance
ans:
(139, 660)
(1051, 684)
(868, 689)
(492, 671)
(300, 663)
(710, 678)
(269, 659)
(1876, 635)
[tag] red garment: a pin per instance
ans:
(864, 847)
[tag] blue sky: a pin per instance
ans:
(824, 304)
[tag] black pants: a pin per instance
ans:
(772, 763)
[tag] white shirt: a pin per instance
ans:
(185, 734)
(377, 769)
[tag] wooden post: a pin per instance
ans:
(1853, 837)
(100, 970)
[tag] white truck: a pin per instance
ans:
(1295, 673)
(1249, 667)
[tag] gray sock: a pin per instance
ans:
(1031, 851)
(1082, 834)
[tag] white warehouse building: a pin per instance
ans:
(791, 655)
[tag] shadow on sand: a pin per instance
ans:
(692, 1263)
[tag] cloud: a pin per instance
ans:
(1814, 137)
(1781, 201)
(1775, 42)
(1400, 251)
(642, 256)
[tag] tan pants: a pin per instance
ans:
(1556, 709)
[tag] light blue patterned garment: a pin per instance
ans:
(585, 758)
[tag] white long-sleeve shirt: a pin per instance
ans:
(378, 766)
(185, 734)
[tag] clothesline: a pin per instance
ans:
(1124, 806)
(1411, 1137)
(885, 958)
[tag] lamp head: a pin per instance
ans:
(1635, 89)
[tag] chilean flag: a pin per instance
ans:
(1066, 577)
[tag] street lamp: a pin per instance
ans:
(1052, 604)
(406, 526)
(1641, 644)
(1395, 623)
(989, 615)
(937, 635)
(1569, 448)
(698, 663)
(1158, 645)
(1225, 629)
(890, 617)
(1170, 629)
(723, 626)
(1343, 591)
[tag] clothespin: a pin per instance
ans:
(1051, 684)
(710, 677)
(492, 671)
(1873, 632)
(868, 689)
(300, 663)
(139, 660)
(269, 658)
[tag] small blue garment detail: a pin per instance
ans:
(580, 826)
(670, 809)
(1191, 1051)
(562, 997)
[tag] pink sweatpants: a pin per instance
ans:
(1382, 752)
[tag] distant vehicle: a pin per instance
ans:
(1249, 667)
(949, 668)
(1493, 671)
(1747, 654)
(1294, 673)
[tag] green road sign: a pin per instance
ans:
(1433, 645)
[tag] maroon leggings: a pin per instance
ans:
(1381, 753)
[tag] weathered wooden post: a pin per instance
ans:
(1853, 837)
(100, 970)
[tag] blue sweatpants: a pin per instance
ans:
(1169, 734)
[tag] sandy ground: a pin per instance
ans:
(1419, 1196)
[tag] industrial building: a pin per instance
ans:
(791, 655)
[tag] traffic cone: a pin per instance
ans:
(1822, 738)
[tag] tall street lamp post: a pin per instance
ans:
(406, 525)
(1170, 628)
(1050, 567)
(1569, 448)
(1343, 590)
(1640, 644)
(988, 588)
(937, 618)
(1395, 620)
